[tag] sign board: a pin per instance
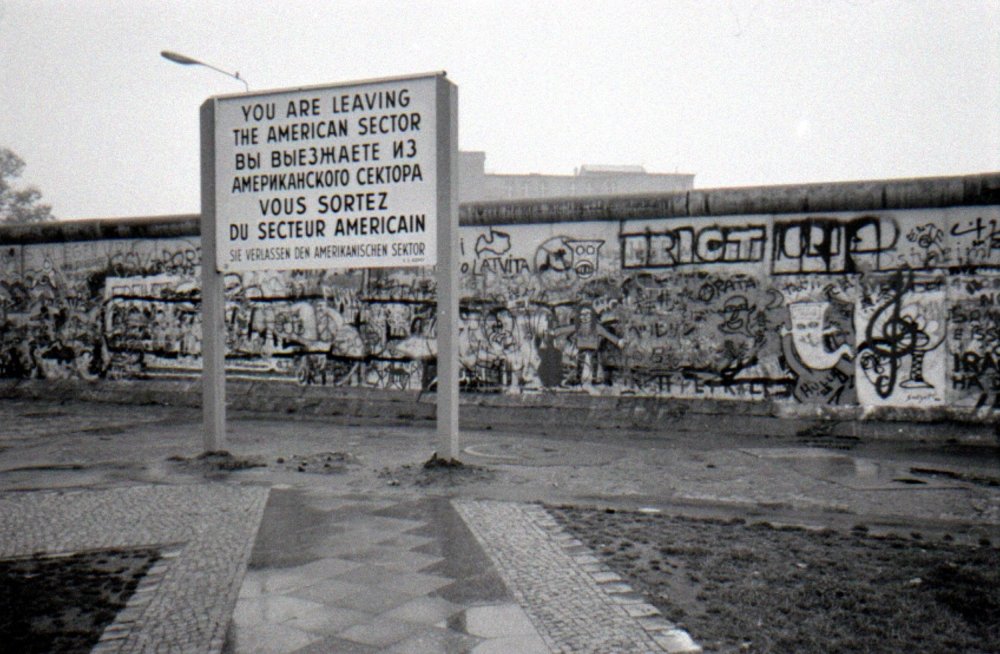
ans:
(331, 177)
(356, 175)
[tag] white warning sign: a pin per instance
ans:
(334, 177)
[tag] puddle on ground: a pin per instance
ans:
(846, 470)
(73, 475)
(841, 468)
(541, 453)
(41, 477)
(499, 451)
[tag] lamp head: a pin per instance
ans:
(178, 58)
(185, 60)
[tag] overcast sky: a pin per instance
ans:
(736, 92)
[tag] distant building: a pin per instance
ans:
(475, 184)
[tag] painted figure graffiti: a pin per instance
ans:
(816, 351)
(809, 334)
(586, 336)
(586, 257)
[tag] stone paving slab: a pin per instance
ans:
(369, 574)
(577, 605)
(205, 532)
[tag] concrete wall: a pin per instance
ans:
(877, 298)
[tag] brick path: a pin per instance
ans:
(205, 531)
(577, 604)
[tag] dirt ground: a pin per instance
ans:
(62, 604)
(756, 587)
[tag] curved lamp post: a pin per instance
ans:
(184, 60)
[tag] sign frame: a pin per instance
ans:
(445, 233)
(328, 177)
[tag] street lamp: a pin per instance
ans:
(188, 61)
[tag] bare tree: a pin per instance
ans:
(19, 205)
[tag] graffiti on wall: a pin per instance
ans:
(832, 245)
(975, 238)
(699, 334)
(317, 329)
(893, 309)
(818, 338)
(974, 340)
(524, 325)
(901, 321)
(670, 246)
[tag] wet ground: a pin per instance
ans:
(710, 461)
(316, 581)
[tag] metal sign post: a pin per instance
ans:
(447, 271)
(355, 175)
(213, 298)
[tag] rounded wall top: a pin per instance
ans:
(916, 193)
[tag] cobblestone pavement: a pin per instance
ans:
(205, 532)
(578, 605)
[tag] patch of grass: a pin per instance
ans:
(761, 588)
(63, 604)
